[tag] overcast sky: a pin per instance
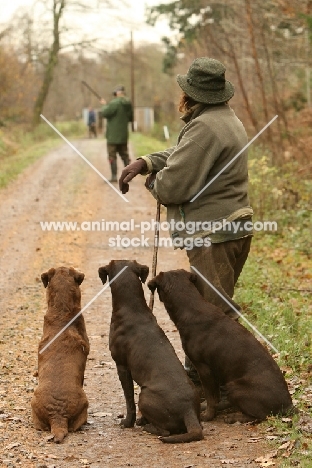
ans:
(102, 23)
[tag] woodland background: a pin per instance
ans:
(266, 47)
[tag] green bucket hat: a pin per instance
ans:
(205, 82)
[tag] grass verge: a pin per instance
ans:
(142, 144)
(20, 148)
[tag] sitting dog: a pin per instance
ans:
(59, 402)
(168, 400)
(223, 351)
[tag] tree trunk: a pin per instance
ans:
(242, 87)
(278, 104)
(58, 7)
(257, 64)
(233, 56)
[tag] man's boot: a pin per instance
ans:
(113, 165)
(125, 159)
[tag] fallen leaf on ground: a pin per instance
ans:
(286, 445)
(70, 458)
(289, 447)
(267, 459)
(305, 424)
(254, 439)
(9, 447)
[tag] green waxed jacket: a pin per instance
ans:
(206, 151)
(118, 113)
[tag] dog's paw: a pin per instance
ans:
(208, 415)
(142, 421)
(156, 430)
(233, 418)
(223, 405)
(127, 422)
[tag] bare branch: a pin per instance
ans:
(5, 32)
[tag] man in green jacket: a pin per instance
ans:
(118, 113)
(203, 183)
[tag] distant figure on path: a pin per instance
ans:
(119, 113)
(92, 123)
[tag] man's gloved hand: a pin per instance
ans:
(129, 172)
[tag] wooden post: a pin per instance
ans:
(132, 78)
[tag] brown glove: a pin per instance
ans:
(132, 170)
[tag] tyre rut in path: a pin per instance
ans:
(62, 187)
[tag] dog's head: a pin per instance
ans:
(164, 282)
(71, 272)
(115, 266)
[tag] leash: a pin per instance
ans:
(154, 264)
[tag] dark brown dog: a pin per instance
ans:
(223, 352)
(59, 403)
(168, 400)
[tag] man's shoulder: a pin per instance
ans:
(213, 116)
(125, 101)
(212, 112)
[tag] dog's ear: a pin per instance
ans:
(152, 284)
(193, 278)
(143, 274)
(103, 274)
(45, 279)
(140, 270)
(47, 276)
(79, 277)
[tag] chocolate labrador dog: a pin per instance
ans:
(59, 402)
(223, 352)
(168, 400)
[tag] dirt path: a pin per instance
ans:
(61, 187)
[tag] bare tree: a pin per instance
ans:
(58, 10)
(251, 30)
(4, 32)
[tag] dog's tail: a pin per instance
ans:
(59, 429)
(194, 431)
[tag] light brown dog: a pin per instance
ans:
(59, 402)
(168, 400)
(223, 352)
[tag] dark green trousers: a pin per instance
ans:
(112, 151)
